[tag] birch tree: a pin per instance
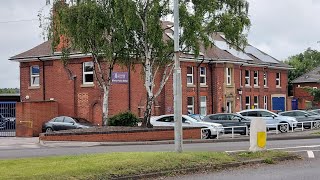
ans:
(94, 28)
(199, 19)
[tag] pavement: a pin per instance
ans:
(21, 143)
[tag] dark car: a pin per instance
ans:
(228, 120)
(7, 122)
(303, 116)
(65, 123)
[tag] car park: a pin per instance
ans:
(65, 123)
(273, 120)
(229, 120)
(211, 129)
(304, 116)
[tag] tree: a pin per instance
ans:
(95, 28)
(302, 63)
(198, 21)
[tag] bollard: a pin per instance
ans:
(258, 135)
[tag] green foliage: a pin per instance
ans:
(314, 92)
(124, 119)
(303, 63)
(9, 91)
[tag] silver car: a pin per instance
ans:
(211, 131)
(273, 120)
(304, 116)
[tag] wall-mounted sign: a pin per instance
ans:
(120, 77)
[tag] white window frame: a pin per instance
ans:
(34, 76)
(265, 102)
(190, 106)
(247, 78)
(278, 80)
(190, 75)
(256, 78)
(247, 104)
(265, 79)
(203, 105)
(256, 103)
(229, 76)
(84, 64)
(203, 74)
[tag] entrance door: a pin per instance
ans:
(229, 107)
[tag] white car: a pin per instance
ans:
(273, 120)
(211, 131)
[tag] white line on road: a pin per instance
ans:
(310, 154)
(295, 147)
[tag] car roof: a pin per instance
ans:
(248, 110)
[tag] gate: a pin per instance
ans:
(7, 119)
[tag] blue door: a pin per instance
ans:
(278, 103)
(294, 104)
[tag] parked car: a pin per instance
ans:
(196, 116)
(303, 116)
(213, 129)
(65, 123)
(7, 122)
(229, 120)
(273, 120)
(317, 111)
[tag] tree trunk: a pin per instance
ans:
(147, 113)
(105, 106)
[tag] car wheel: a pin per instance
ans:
(316, 124)
(206, 133)
(283, 128)
(49, 130)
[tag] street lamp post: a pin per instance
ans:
(177, 83)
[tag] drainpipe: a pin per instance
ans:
(129, 87)
(198, 84)
(211, 85)
(43, 81)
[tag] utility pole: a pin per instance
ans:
(177, 83)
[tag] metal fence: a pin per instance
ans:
(7, 119)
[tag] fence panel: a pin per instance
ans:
(7, 119)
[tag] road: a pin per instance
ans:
(307, 169)
(36, 150)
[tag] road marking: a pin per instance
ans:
(310, 154)
(295, 147)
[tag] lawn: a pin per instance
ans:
(111, 165)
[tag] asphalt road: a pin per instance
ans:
(41, 151)
(307, 169)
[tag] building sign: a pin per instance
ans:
(120, 77)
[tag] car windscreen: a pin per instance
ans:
(81, 120)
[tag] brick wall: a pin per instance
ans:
(302, 95)
(30, 117)
(147, 135)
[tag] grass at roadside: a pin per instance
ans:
(316, 133)
(106, 166)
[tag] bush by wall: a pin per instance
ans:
(124, 119)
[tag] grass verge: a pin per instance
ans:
(316, 133)
(113, 165)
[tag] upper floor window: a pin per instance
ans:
(34, 75)
(278, 77)
(265, 82)
(255, 78)
(229, 75)
(189, 75)
(247, 78)
(88, 72)
(203, 76)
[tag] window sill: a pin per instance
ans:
(87, 85)
(191, 85)
(279, 87)
(247, 86)
(203, 86)
(230, 86)
(266, 87)
(34, 87)
(256, 86)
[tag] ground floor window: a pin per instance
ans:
(203, 105)
(190, 105)
(265, 102)
(256, 102)
(247, 102)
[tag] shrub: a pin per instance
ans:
(124, 119)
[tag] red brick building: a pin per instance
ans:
(310, 79)
(221, 79)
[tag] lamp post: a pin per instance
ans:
(177, 83)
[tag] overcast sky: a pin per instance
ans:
(281, 28)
